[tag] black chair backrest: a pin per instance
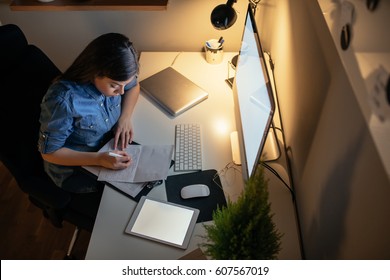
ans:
(25, 75)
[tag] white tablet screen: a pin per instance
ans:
(163, 221)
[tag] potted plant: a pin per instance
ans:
(244, 229)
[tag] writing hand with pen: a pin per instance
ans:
(115, 160)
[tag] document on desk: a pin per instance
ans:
(132, 189)
(149, 163)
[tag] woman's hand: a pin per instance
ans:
(124, 129)
(115, 160)
(123, 133)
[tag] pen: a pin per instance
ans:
(220, 41)
(114, 154)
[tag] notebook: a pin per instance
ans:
(172, 92)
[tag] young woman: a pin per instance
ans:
(91, 102)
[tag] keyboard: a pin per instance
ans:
(188, 148)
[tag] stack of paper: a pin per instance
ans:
(149, 163)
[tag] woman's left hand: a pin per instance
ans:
(124, 128)
(123, 133)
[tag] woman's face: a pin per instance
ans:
(109, 87)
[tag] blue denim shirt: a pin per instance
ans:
(78, 117)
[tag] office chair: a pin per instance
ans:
(25, 75)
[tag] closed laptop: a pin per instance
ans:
(172, 91)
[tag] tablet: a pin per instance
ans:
(162, 221)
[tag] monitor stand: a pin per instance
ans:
(271, 150)
(233, 65)
(230, 81)
(235, 148)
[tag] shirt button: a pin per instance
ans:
(106, 120)
(101, 104)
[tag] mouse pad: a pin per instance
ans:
(206, 205)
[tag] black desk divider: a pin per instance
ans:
(206, 205)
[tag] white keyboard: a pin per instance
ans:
(188, 148)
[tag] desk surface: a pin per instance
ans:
(153, 126)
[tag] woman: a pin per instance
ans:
(91, 102)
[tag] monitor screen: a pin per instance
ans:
(253, 96)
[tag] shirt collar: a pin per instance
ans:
(94, 92)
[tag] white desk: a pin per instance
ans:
(152, 126)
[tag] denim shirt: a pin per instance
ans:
(78, 117)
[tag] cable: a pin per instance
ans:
(292, 189)
(174, 60)
(281, 129)
(279, 177)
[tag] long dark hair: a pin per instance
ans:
(110, 55)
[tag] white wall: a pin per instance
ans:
(184, 26)
(343, 191)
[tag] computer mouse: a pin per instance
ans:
(196, 190)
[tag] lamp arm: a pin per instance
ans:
(231, 2)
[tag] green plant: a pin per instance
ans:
(244, 229)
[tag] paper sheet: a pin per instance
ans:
(123, 175)
(132, 189)
(150, 163)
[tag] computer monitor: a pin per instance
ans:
(253, 98)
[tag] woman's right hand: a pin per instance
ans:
(115, 160)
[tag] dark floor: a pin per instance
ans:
(25, 234)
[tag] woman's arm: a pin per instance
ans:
(124, 129)
(68, 157)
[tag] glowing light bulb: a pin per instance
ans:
(221, 126)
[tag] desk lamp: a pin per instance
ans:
(224, 16)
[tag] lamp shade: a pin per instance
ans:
(223, 16)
